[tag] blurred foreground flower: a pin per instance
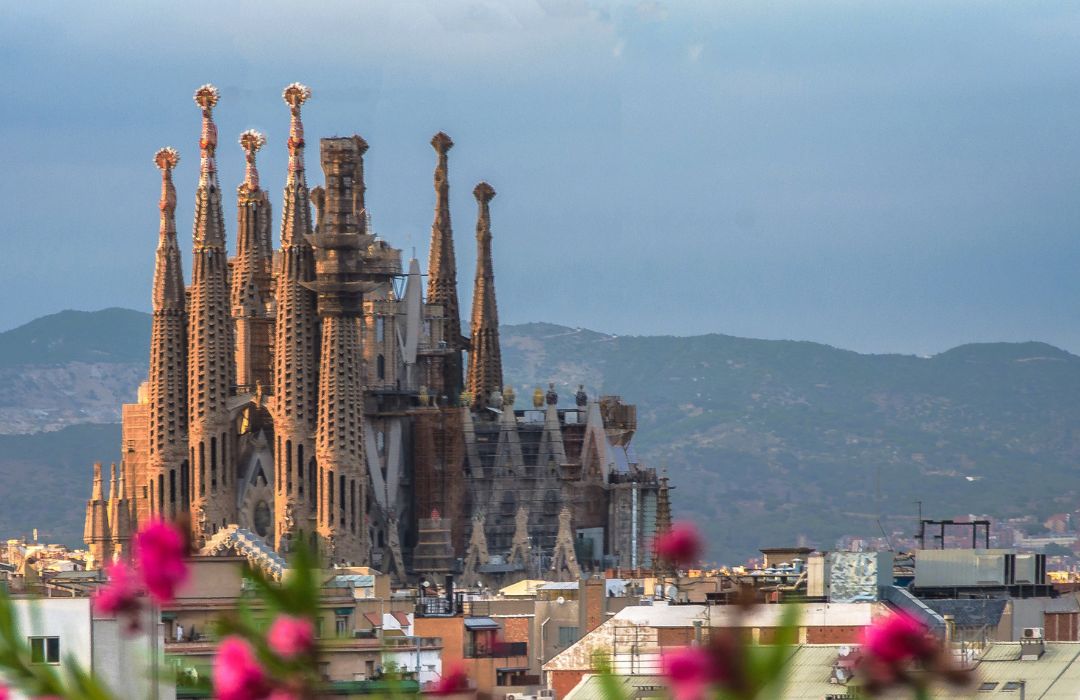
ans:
(899, 651)
(454, 681)
(291, 637)
(899, 638)
(237, 673)
(160, 548)
(690, 672)
(681, 545)
(120, 596)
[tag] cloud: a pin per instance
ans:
(693, 52)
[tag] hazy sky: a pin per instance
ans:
(881, 176)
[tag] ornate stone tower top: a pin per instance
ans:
(254, 247)
(295, 95)
(206, 97)
(296, 216)
(442, 266)
(485, 359)
(442, 270)
(168, 274)
(209, 225)
(251, 141)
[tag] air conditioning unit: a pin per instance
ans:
(546, 693)
(1033, 633)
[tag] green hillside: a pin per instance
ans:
(111, 335)
(47, 479)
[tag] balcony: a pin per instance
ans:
(499, 650)
(410, 643)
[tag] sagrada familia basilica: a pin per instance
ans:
(317, 392)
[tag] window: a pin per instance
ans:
(987, 687)
(44, 650)
(341, 624)
(567, 636)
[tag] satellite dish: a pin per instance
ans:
(844, 650)
(560, 600)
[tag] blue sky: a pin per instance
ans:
(885, 177)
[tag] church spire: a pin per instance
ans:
(485, 358)
(296, 214)
(96, 533)
(167, 417)
(251, 273)
(210, 348)
(168, 273)
(209, 224)
(296, 333)
(442, 272)
(119, 512)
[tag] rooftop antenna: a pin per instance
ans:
(921, 536)
(885, 535)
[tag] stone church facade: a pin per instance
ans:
(320, 391)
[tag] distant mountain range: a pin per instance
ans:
(767, 442)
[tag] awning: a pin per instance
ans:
(481, 623)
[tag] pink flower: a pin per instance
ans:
(454, 681)
(237, 673)
(160, 548)
(689, 670)
(290, 637)
(121, 594)
(681, 545)
(4, 693)
(896, 639)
